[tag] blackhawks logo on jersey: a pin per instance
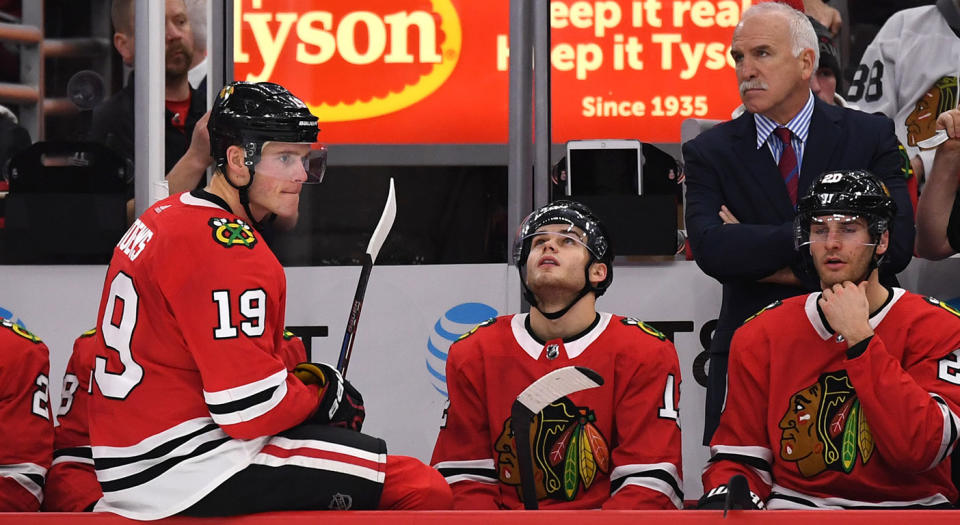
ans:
(770, 306)
(488, 322)
(567, 448)
(937, 302)
(230, 232)
(631, 321)
(825, 428)
(19, 330)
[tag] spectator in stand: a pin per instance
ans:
(938, 212)
(866, 18)
(909, 73)
(113, 120)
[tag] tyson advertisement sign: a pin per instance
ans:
(436, 71)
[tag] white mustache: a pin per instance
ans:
(752, 84)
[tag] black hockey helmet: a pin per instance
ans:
(249, 114)
(594, 238)
(846, 192)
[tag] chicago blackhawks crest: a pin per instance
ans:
(825, 428)
(19, 330)
(568, 451)
(232, 232)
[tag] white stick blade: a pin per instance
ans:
(555, 385)
(384, 225)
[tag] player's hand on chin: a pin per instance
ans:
(847, 310)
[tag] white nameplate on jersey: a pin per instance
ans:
(135, 240)
(935, 141)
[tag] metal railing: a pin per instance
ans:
(28, 93)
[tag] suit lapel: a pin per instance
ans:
(823, 139)
(759, 165)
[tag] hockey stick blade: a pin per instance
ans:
(549, 388)
(380, 233)
(556, 384)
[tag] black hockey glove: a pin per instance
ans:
(341, 405)
(736, 494)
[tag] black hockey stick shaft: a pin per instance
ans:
(521, 419)
(550, 387)
(373, 249)
(346, 348)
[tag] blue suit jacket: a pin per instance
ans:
(724, 167)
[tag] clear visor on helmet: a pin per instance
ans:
(569, 236)
(293, 161)
(837, 227)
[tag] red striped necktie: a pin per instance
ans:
(788, 164)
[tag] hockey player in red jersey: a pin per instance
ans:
(612, 447)
(71, 484)
(26, 433)
(192, 411)
(848, 397)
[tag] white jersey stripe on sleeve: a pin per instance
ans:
(479, 470)
(81, 455)
(950, 431)
(249, 408)
(30, 476)
(756, 458)
(653, 484)
(238, 393)
(661, 477)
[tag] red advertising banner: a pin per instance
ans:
(436, 71)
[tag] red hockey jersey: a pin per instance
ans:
(26, 433)
(187, 382)
(615, 446)
(810, 428)
(72, 484)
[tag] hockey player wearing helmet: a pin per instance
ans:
(263, 142)
(613, 447)
(848, 397)
(192, 408)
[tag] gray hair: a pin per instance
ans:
(802, 34)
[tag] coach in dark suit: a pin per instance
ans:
(739, 208)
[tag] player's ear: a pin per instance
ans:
(598, 272)
(884, 243)
(236, 170)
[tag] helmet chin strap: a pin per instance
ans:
(244, 191)
(874, 264)
(587, 288)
